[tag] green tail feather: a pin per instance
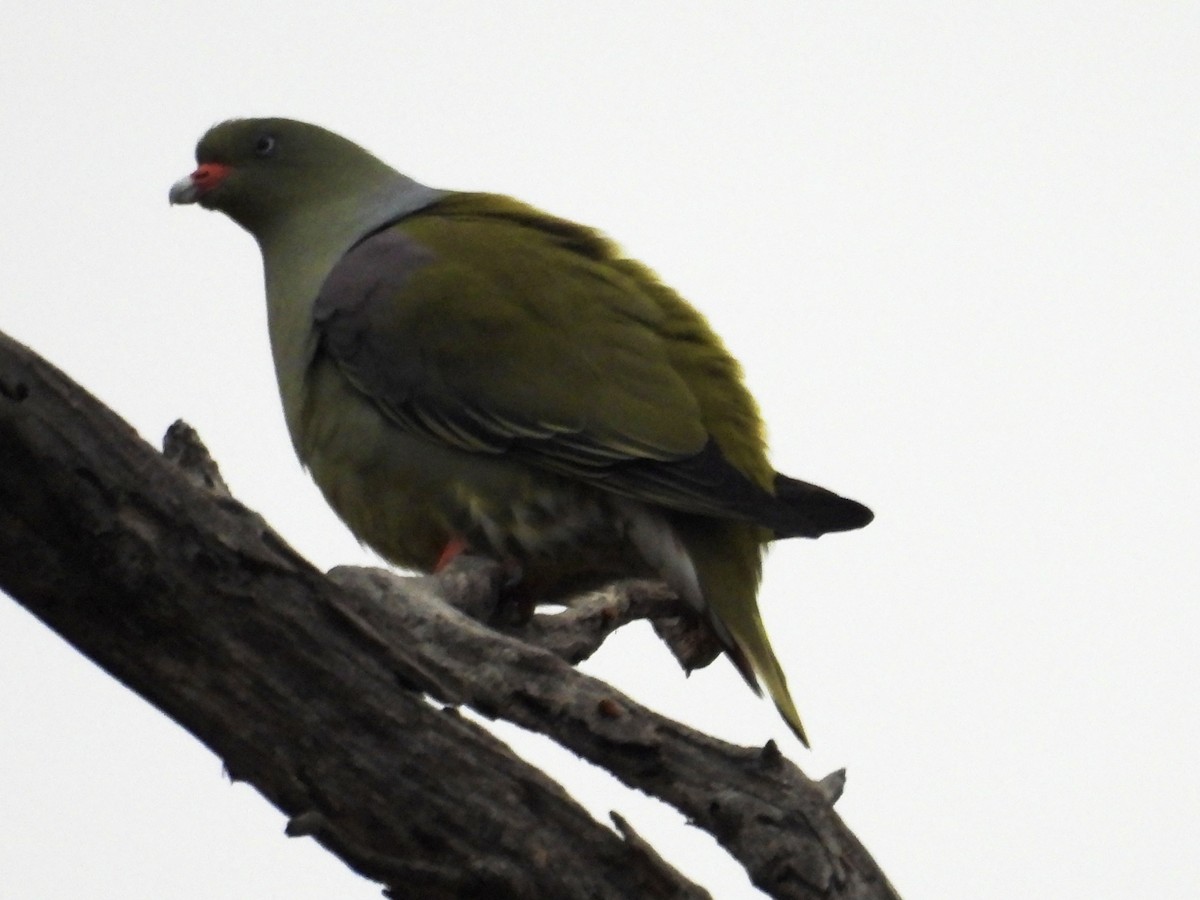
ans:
(728, 560)
(752, 655)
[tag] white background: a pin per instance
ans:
(955, 246)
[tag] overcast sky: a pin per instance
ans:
(955, 247)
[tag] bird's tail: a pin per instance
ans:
(752, 655)
(727, 557)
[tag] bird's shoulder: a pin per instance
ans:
(461, 219)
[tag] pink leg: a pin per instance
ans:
(453, 548)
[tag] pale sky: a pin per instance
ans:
(955, 247)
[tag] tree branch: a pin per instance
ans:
(317, 689)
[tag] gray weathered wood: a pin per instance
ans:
(326, 692)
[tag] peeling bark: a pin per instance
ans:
(334, 695)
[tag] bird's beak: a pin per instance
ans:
(191, 188)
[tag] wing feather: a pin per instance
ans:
(486, 335)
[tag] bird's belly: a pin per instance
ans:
(407, 497)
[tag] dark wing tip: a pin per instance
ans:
(812, 511)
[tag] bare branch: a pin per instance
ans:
(316, 689)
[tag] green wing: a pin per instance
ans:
(483, 325)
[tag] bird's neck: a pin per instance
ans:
(298, 254)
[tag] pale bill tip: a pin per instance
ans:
(183, 191)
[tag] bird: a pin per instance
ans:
(462, 372)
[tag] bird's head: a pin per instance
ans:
(261, 172)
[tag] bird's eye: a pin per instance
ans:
(265, 146)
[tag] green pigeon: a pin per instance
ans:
(462, 372)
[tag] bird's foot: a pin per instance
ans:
(454, 547)
(517, 602)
